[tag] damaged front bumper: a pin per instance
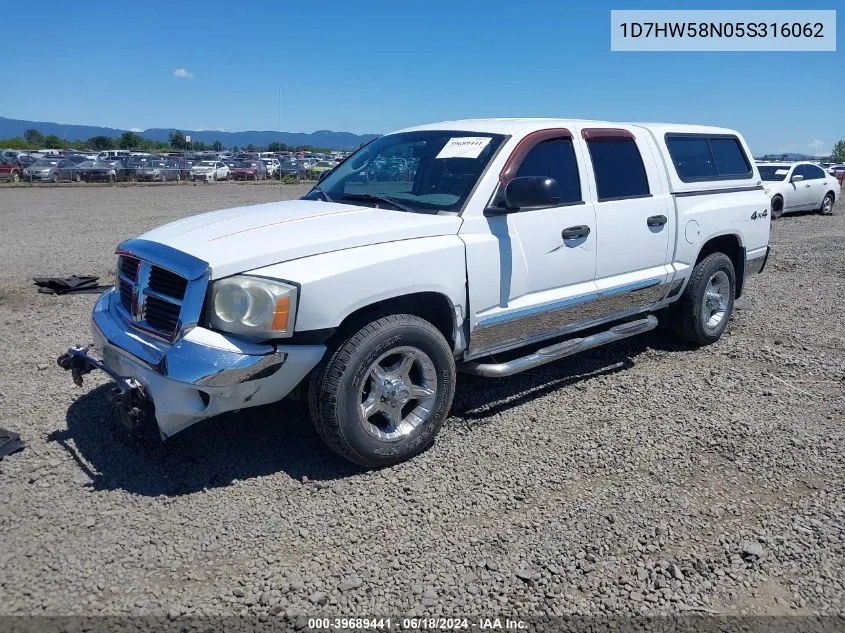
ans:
(204, 373)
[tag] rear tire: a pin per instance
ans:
(384, 392)
(777, 207)
(704, 310)
(826, 207)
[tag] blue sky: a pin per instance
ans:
(374, 66)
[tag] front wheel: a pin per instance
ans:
(702, 313)
(382, 395)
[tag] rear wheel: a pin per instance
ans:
(777, 207)
(703, 312)
(55, 178)
(383, 394)
(15, 176)
(827, 204)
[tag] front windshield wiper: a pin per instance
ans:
(377, 198)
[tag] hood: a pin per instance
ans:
(245, 238)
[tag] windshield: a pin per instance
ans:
(773, 173)
(205, 163)
(426, 171)
(46, 163)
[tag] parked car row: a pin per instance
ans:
(119, 165)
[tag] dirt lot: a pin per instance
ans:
(642, 478)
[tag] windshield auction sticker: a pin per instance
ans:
(723, 30)
(464, 147)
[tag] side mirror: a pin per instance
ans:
(531, 191)
(797, 178)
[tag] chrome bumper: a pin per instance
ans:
(202, 374)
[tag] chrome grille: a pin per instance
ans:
(129, 267)
(161, 315)
(126, 289)
(167, 283)
(151, 296)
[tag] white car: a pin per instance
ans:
(372, 294)
(210, 171)
(272, 165)
(798, 187)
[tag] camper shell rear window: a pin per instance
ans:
(707, 157)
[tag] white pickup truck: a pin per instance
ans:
(504, 244)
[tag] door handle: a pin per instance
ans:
(575, 232)
(657, 220)
(806, 186)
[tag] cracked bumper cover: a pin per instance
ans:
(202, 374)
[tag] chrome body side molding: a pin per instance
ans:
(508, 331)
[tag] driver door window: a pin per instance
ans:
(555, 159)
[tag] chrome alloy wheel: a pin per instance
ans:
(397, 394)
(717, 295)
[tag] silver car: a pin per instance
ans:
(50, 170)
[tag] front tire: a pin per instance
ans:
(826, 207)
(703, 312)
(382, 395)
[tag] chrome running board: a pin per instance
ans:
(560, 350)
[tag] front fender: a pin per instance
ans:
(334, 285)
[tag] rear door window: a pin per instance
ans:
(618, 168)
(699, 157)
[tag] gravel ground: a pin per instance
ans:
(640, 478)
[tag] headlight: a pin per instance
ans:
(254, 307)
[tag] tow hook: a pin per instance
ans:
(79, 362)
(136, 409)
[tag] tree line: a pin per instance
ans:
(34, 139)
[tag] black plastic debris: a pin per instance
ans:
(10, 442)
(64, 285)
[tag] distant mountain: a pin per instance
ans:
(321, 138)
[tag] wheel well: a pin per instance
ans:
(434, 307)
(730, 246)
